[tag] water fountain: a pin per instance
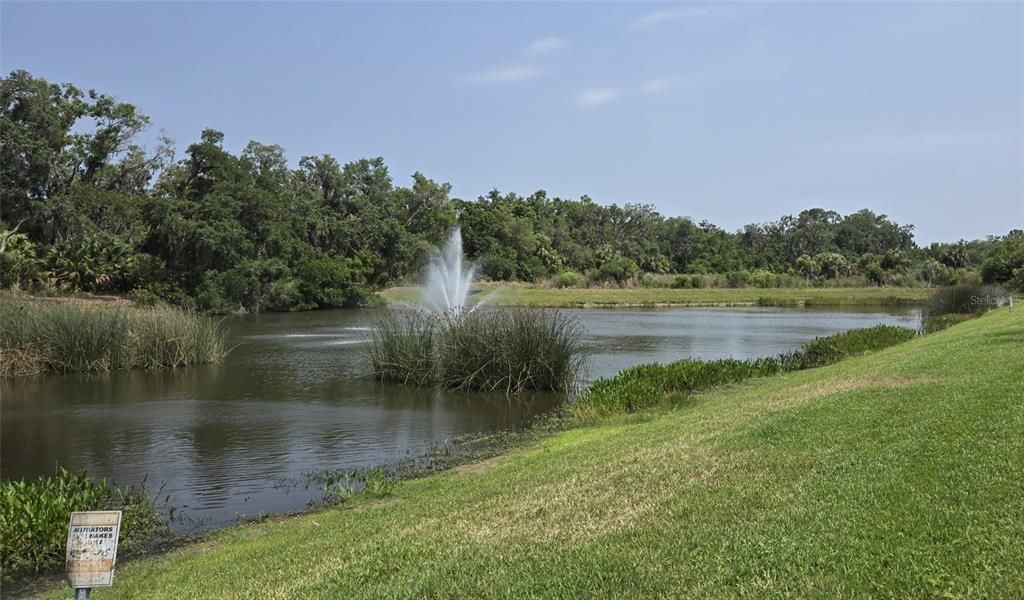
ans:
(448, 280)
(445, 342)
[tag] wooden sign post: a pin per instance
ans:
(92, 550)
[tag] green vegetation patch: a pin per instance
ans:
(34, 520)
(63, 337)
(650, 385)
(966, 299)
(504, 350)
(950, 305)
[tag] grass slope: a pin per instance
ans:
(524, 295)
(897, 474)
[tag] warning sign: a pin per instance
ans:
(92, 548)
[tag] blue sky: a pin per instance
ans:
(732, 112)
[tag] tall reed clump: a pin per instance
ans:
(401, 348)
(954, 304)
(46, 336)
(507, 350)
(34, 519)
(650, 385)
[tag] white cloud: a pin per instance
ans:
(660, 84)
(598, 96)
(546, 44)
(893, 144)
(508, 74)
(665, 15)
(604, 95)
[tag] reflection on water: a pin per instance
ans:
(293, 397)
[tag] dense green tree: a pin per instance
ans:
(865, 232)
(43, 156)
(1005, 262)
(84, 207)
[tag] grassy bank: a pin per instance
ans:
(62, 336)
(894, 474)
(526, 295)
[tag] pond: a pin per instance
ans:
(232, 440)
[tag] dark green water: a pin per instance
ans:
(232, 439)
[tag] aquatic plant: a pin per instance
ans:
(342, 486)
(34, 519)
(650, 385)
(940, 322)
(56, 336)
(496, 350)
(833, 348)
(966, 298)
(953, 304)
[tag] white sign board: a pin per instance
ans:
(92, 548)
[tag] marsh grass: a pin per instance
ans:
(954, 304)
(965, 299)
(493, 350)
(46, 336)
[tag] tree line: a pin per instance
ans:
(84, 207)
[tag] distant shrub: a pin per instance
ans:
(764, 279)
(655, 281)
(507, 350)
(832, 265)
(499, 268)
(568, 279)
(618, 269)
(737, 279)
(902, 280)
(949, 276)
(688, 281)
(875, 273)
(1005, 265)
(144, 297)
(34, 519)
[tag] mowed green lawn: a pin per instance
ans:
(526, 295)
(897, 474)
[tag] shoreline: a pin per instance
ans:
(527, 295)
(514, 448)
(363, 520)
